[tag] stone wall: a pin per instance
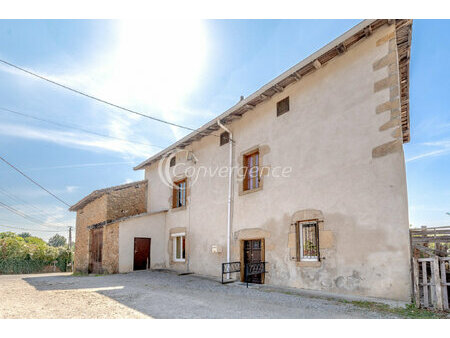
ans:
(110, 258)
(114, 204)
(127, 201)
(92, 213)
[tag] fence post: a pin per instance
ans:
(444, 285)
(416, 282)
(425, 284)
(437, 282)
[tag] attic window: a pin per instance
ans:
(173, 161)
(224, 138)
(283, 106)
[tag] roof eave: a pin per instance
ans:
(295, 72)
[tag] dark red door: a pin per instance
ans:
(253, 254)
(95, 251)
(141, 253)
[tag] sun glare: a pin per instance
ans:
(160, 61)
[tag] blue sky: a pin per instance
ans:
(186, 72)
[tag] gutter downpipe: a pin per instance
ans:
(230, 191)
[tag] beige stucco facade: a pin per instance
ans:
(342, 140)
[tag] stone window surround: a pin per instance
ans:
(261, 170)
(174, 237)
(170, 247)
(305, 215)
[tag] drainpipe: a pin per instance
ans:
(230, 191)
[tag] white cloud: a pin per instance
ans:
(71, 188)
(80, 165)
(444, 146)
(77, 140)
(152, 67)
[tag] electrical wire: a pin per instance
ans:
(7, 226)
(15, 198)
(77, 128)
(93, 97)
(22, 214)
(33, 181)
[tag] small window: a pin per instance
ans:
(179, 247)
(173, 161)
(179, 194)
(308, 241)
(224, 138)
(251, 175)
(283, 106)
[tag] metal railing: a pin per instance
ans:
(231, 267)
(252, 269)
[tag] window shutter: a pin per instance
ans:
(283, 106)
(246, 173)
(224, 138)
(297, 240)
(174, 195)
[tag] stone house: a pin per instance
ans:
(317, 190)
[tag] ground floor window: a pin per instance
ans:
(179, 247)
(308, 241)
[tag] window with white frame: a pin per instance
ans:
(308, 241)
(179, 247)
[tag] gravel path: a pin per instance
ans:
(157, 294)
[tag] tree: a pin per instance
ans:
(57, 241)
(24, 235)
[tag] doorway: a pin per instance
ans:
(253, 252)
(141, 253)
(95, 251)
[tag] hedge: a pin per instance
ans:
(32, 254)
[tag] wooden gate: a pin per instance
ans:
(95, 251)
(431, 271)
(431, 282)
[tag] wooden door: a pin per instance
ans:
(141, 253)
(95, 251)
(253, 253)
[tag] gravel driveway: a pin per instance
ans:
(157, 294)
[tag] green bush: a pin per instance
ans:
(32, 254)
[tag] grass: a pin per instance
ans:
(79, 274)
(409, 311)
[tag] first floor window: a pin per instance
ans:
(179, 194)
(179, 246)
(308, 241)
(251, 166)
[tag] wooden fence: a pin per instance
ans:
(431, 271)
(430, 282)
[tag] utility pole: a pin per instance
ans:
(70, 238)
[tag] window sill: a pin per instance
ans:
(178, 208)
(245, 192)
(309, 264)
(178, 262)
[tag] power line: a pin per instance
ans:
(95, 98)
(77, 128)
(22, 214)
(13, 197)
(33, 181)
(6, 226)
